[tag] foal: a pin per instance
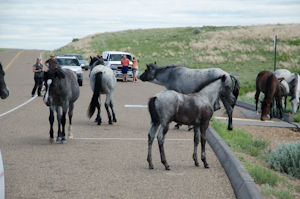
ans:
(192, 109)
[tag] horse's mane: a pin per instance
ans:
(294, 84)
(160, 69)
(208, 83)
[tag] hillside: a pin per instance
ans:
(244, 50)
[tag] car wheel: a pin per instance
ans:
(80, 82)
(86, 68)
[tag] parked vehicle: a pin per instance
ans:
(71, 63)
(112, 59)
(83, 63)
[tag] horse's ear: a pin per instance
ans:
(155, 63)
(91, 57)
(223, 78)
(147, 66)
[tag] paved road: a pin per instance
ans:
(107, 161)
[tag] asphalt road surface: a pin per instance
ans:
(107, 161)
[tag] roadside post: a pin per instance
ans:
(275, 42)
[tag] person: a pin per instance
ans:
(125, 63)
(52, 62)
(134, 69)
(38, 77)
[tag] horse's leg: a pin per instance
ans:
(161, 139)
(151, 136)
(217, 105)
(112, 110)
(63, 123)
(98, 119)
(51, 120)
(203, 128)
(229, 111)
(196, 142)
(256, 99)
(107, 103)
(279, 105)
(71, 107)
(58, 112)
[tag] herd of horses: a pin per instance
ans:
(191, 97)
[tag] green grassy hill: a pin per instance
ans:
(244, 50)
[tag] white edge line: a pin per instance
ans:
(18, 106)
(126, 139)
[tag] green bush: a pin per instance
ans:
(75, 39)
(286, 159)
(196, 31)
(295, 42)
(267, 190)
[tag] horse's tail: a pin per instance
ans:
(237, 84)
(97, 91)
(152, 111)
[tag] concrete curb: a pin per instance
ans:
(241, 182)
(287, 117)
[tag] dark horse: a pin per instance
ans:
(185, 80)
(102, 81)
(192, 109)
(62, 90)
(268, 83)
(4, 92)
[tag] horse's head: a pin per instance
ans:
(149, 73)
(4, 92)
(95, 61)
(265, 108)
(52, 83)
(226, 90)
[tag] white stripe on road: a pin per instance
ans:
(126, 139)
(138, 106)
(18, 106)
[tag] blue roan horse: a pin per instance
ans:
(102, 81)
(62, 90)
(4, 92)
(186, 81)
(290, 86)
(192, 109)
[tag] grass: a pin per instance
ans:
(244, 50)
(240, 141)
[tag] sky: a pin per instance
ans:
(49, 25)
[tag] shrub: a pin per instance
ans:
(295, 42)
(196, 31)
(75, 39)
(286, 159)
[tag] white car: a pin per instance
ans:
(112, 59)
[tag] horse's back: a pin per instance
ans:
(188, 80)
(282, 73)
(72, 78)
(108, 77)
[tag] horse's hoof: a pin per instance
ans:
(110, 122)
(197, 164)
(58, 139)
(151, 167)
(63, 142)
(99, 123)
(51, 140)
(115, 120)
(190, 128)
(168, 168)
(206, 166)
(70, 136)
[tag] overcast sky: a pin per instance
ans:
(39, 24)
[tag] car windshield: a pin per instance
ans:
(79, 57)
(118, 57)
(68, 62)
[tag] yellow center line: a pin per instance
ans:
(224, 118)
(10, 63)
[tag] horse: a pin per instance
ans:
(268, 83)
(190, 109)
(186, 81)
(4, 91)
(62, 90)
(102, 81)
(293, 88)
(94, 62)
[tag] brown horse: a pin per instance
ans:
(268, 83)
